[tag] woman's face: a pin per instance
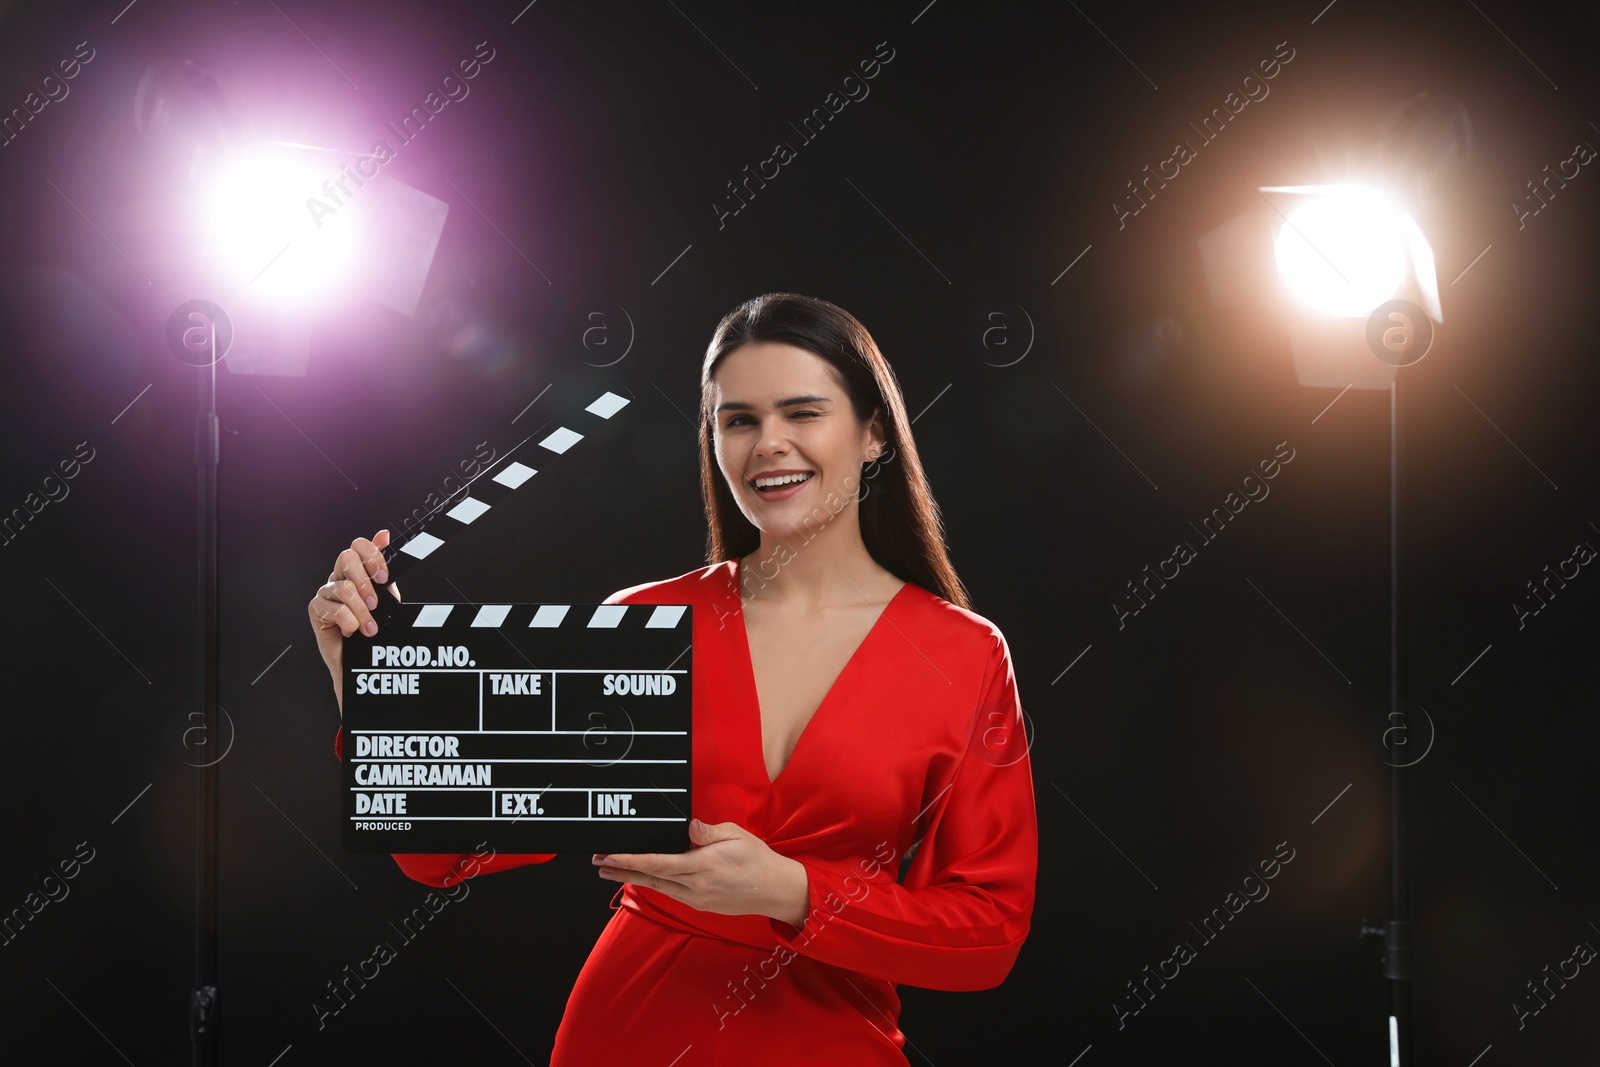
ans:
(778, 410)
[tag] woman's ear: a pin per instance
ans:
(877, 440)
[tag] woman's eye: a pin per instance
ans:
(740, 420)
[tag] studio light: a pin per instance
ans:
(1343, 253)
(1350, 276)
(290, 235)
(261, 240)
(287, 231)
(1320, 260)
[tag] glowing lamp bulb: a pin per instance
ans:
(1343, 254)
(262, 235)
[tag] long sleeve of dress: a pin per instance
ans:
(959, 920)
(445, 869)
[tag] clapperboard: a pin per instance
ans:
(532, 727)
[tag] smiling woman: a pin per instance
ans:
(853, 706)
(853, 411)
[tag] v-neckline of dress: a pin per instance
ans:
(755, 693)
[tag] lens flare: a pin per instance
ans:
(1343, 253)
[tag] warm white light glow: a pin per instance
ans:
(262, 237)
(1344, 252)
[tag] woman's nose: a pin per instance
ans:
(772, 440)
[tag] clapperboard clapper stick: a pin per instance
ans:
(571, 737)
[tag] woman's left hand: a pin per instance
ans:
(730, 871)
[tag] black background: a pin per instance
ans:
(1172, 757)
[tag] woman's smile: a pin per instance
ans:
(789, 483)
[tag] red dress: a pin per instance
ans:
(920, 741)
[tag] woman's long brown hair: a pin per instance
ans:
(900, 522)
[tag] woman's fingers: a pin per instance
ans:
(354, 613)
(662, 864)
(362, 564)
(351, 567)
(330, 613)
(372, 556)
(344, 604)
(348, 598)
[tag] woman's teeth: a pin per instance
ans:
(782, 483)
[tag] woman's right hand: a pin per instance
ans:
(345, 603)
